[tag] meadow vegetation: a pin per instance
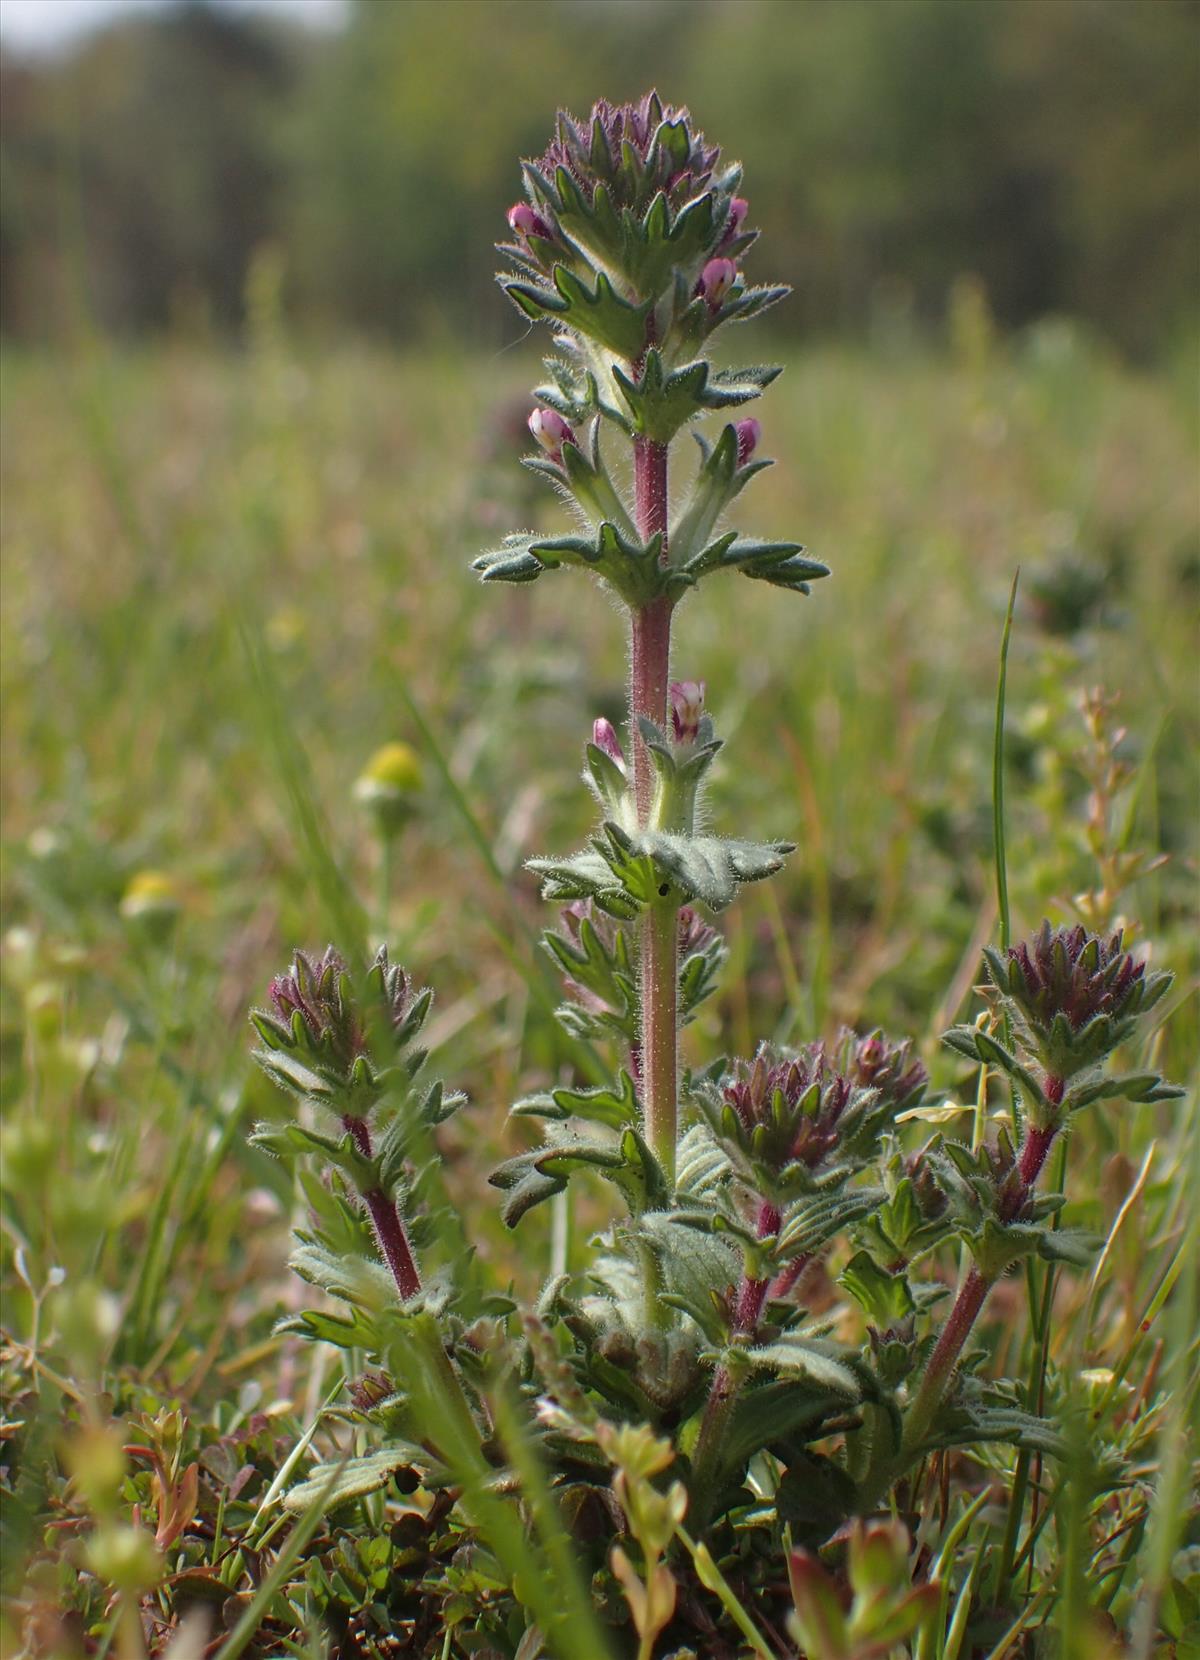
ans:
(229, 579)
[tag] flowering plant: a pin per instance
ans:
(689, 1378)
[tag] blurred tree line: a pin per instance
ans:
(1049, 146)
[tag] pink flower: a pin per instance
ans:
(604, 737)
(551, 431)
(748, 434)
(739, 207)
(687, 706)
(716, 279)
(524, 222)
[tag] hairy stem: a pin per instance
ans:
(649, 672)
(660, 996)
(786, 1278)
(706, 1460)
(650, 654)
(971, 1298)
(385, 1219)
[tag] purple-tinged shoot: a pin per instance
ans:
(336, 1039)
(1073, 995)
(788, 1108)
(635, 151)
(875, 1062)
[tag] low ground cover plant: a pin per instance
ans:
(752, 1408)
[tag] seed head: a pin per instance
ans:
(388, 783)
(151, 902)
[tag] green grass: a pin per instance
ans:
(229, 579)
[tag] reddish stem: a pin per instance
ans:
(649, 669)
(974, 1289)
(650, 642)
(649, 672)
(752, 1294)
(787, 1277)
(955, 1332)
(1033, 1157)
(385, 1218)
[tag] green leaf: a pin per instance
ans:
(512, 561)
(886, 1297)
(753, 301)
(357, 1332)
(817, 1218)
(707, 869)
(794, 1355)
(1071, 1245)
(354, 1479)
(600, 313)
(729, 387)
(769, 1414)
(697, 1270)
(1130, 1086)
(603, 1104)
(661, 401)
(785, 564)
(820, 1620)
(531, 1177)
(291, 1140)
(813, 1498)
(585, 876)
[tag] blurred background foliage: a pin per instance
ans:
(890, 145)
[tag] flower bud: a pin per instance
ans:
(716, 279)
(151, 903)
(875, 1062)
(788, 1108)
(551, 431)
(687, 706)
(387, 785)
(739, 207)
(1075, 995)
(524, 222)
(333, 1036)
(604, 736)
(748, 433)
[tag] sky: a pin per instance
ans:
(47, 25)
